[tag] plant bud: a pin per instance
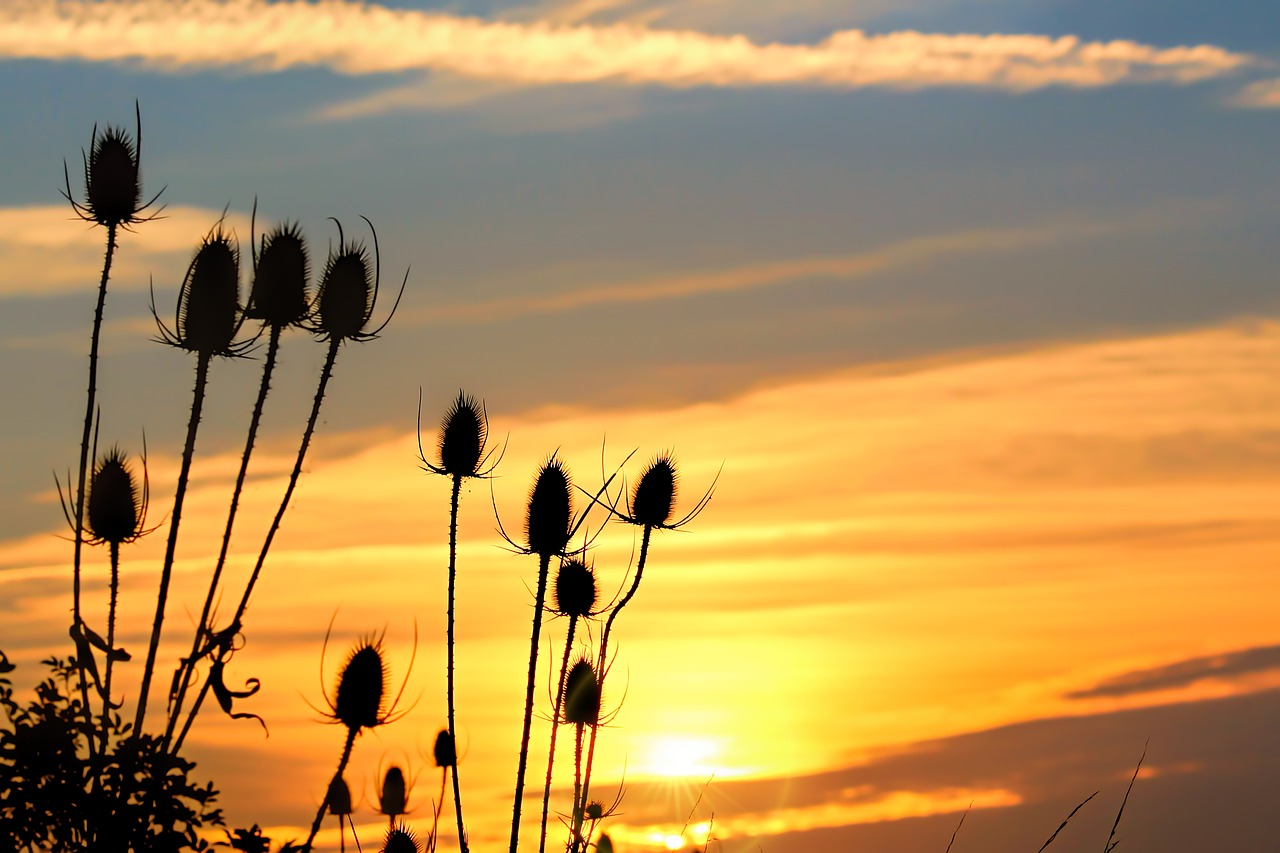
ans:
(279, 295)
(575, 589)
(581, 704)
(550, 510)
(604, 845)
(115, 511)
(338, 799)
(394, 795)
(462, 437)
(361, 687)
(445, 754)
(655, 496)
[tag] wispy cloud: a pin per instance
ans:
(1261, 95)
(1232, 665)
(359, 38)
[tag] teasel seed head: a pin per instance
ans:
(400, 839)
(575, 591)
(279, 295)
(604, 845)
(444, 752)
(112, 179)
(393, 798)
(581, 701)
(338, 800)
(463, 433)
(362, 688)
(654, 498)
(117, 510)
(547, 525)
(209, 313)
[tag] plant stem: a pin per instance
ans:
(203, 628)
(604, 645)
(579, 804)
(188, 450)
(82, 472)
(111, 642)
(453, 732)
(543, 568)
(342, 765)
(555, 727)
(326, 373)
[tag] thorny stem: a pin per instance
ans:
(453, 733)
(84, 450)
(326, 373)
(555, 727)
(579, 805)
(111, 642)
(188, 450)
(604, 645)
(543, 568)
(203, 628)
(342, 765)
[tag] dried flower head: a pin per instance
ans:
(348, 291)
(362, 687)
(581, 702)
(338, 800)
(393, 796)
(117, 509)
(113, 185)
(400, 839)
(547, 524)
(209, 315)
(281, 269)
(444, 752)
(655, 494)
(575, 591)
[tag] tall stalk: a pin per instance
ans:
(342, 765)
(555, 727)
(453, 730)
(111, 643)
(188, 450)
(544, 567)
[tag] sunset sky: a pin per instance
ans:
(968, 309)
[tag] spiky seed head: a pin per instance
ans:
(604, 845)
(394, 795)
(581, 703)
(338, 800)
(361, 688)
(209, 302)
(113, 192)
(345, 300)
(463, 433)
(575, 589)
(115, 510)
(444, 752)
(400, 839)
(594, 810)
(654, 498)
(279, 295)
(550, 510)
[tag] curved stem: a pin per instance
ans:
(326, 373)
(342, 765)
(111, 643)
(604, 646)
(453, 731)
(188, 450)
(555, 727)
(543, 568)
(85, 462)
(203, 629)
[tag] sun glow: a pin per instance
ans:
(676, 757)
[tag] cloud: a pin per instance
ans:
(1260, 95)
(1185, 673)
(359, 38)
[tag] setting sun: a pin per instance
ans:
(678, 757)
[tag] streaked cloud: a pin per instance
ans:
(357, 38)
(1232, 665)
(1261, 94)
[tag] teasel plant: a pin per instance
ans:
(580, 703)
(116, 514)
(360, 702)
(341, 311)
(208, 318)
(650, 507)
(575, 598)
(278, 299)
(338, 803)
(113, 200)
(462, 454)
(445, 756)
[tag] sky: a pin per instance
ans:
(965, 308)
